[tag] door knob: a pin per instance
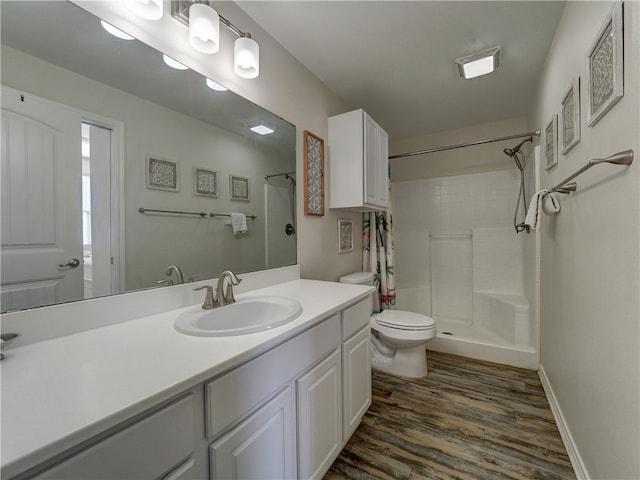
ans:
(72, 263)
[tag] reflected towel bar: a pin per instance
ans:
(621, 158)
(150, 210)
(213, 215)
(200, 214)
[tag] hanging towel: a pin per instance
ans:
(534, 214)
(551, 203)
(238, 222)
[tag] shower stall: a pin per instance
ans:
(280, 217)
(460, 260)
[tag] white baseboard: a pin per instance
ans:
(572, 450)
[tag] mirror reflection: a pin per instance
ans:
(121, 173)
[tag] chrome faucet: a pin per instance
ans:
(175, 269)
(223, 297)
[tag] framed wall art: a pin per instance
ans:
(238, 188)
(313, 174)
(205, 182)
(605, 82)
(570, 117)
(345, 236)
(551, 143)
(161, 174)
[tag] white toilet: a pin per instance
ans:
(398, 338)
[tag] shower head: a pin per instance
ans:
(291, 179)
(513, 151)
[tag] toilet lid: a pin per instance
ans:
(404, 320)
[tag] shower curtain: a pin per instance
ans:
(378, 256)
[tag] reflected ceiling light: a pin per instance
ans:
(246, 57)
(147, 9)
(204, 28)
(262, 129)
(174, 63)
(116, 32)
(478, 64)
(204, 34)
(216, 86)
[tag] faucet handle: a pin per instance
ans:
(209, 299)
(168, 281)
(192, 278)
(228, 296)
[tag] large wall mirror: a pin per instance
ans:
(116, 167)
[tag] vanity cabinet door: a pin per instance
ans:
(356, 361)
(262, 446)
(319, 417)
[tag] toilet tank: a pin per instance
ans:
(358, 278)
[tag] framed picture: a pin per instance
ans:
(313, 174)
(551, 143)
(605, 82)
(345, 236)
(205, 182)
(161, 174)
(238, 188)
(570, 117)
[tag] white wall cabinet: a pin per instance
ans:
(319, 417)
(359, 162)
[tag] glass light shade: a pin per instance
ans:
(174, 63)
(204, 28)
(216, 86)
(116, 32)
(246, 58)
(147, 9)
(479, 64)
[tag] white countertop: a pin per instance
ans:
(60, 392)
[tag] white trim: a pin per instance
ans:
(572, 450)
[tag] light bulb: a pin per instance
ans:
(246, 57)
(174, 63)
(116, 32)
(204, 28)
(216, 86)
(147, 9)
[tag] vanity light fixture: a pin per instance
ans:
(147, 9)
(262, 129)
(204, 34)
(174, 63)
(478, 64)
(216, 86)
(116, 32)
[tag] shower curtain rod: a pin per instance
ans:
(469, 144)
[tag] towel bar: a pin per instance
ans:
(621, 158)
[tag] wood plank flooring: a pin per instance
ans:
(468, 420)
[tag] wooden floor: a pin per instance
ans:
(467, 419)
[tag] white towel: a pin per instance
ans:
(238, 222)
(551, 203)
(534, 214)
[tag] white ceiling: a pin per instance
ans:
(396, 59)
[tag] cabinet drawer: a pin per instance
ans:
(356, 317)
(147, 449)
(236, 393)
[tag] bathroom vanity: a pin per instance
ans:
(138, 399)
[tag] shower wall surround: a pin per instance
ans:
(455, 243)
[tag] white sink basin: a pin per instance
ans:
(248, 315)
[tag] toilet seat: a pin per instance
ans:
(402, 320)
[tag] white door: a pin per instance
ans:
(41, 186)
